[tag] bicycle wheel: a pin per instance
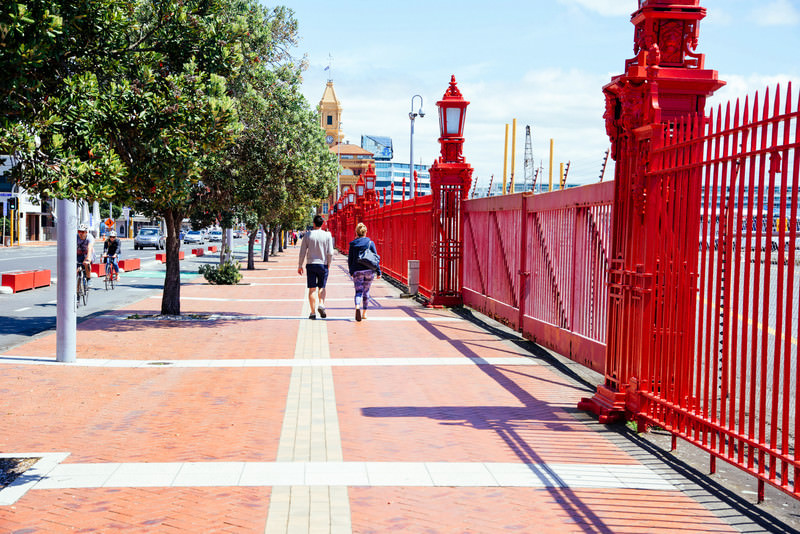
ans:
(78, 290)
(109, 276)
(85, 291)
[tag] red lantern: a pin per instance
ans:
(360, 187)
(452, 112)
(351, 196)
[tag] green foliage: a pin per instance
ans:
(168, 106)
(226, 274)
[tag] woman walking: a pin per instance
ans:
(364, 265)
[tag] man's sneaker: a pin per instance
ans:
(312, 316)
(321, 311)
(358, 314)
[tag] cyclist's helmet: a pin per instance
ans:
(112, 233)
(82, 228)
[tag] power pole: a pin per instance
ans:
(528, 172)
(564, 178)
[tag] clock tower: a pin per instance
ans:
(330, 114)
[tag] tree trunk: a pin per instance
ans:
(222, 246)
(171, 300)
(251, 247)
(264, 243)
(281, 234)
(276, 235)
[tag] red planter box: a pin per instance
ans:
(130, 264)
(99, 269)
(198, 251)
(18, 280)
(212, 248)
(41, 278)
(162, 256)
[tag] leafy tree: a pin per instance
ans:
(279, 161)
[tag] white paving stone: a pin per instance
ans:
(209, 474)
(398, 474)
(274, 362)
(144, 475)
(460, 474)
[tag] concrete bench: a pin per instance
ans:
(212, 248)
(198, 251)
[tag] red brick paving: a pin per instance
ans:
(417, 413)
(477, 414)
(138, 415)
(224, 510)
(526, 510)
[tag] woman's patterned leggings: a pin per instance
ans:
(362, 280)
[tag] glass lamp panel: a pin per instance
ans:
(453, 121)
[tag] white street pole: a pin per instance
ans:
(66, 265)
(412, 116)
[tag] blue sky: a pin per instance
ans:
(542, 62)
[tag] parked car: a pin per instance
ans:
(237, 233)
(149, 237)
(194, 236)
(215, 235)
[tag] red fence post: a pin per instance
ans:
(451, 177)
(666, 80)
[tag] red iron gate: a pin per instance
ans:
(734, 392)
(539, 263)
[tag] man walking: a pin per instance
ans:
(318, 246)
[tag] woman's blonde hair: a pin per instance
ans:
(361, 229)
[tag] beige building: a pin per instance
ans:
(353, 159)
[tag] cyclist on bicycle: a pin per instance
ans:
(112, 248)
(85, 250)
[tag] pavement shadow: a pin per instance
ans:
(505, 422)
(126, 322)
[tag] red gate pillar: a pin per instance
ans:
(665, 81)
(451, 177)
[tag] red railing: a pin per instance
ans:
(402, 231)
(733, 390)
(539, 263)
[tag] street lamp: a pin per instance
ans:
(452, 110)
(412, 116)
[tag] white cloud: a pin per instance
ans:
(606, 8)
(776, 13)
(740, 87)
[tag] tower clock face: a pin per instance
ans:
(329, 139)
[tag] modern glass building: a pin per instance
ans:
(389, 172)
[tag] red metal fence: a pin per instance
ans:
(539, 263)
(402, 231)
(733, 390)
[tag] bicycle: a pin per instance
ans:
(110, 278)
(82, 285)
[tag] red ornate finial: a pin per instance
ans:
(452, 91)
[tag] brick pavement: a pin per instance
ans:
(257, 419)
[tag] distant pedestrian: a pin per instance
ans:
(317, 245)
(364, 265)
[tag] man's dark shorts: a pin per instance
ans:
(316, 275)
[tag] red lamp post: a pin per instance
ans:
(371, 197)
(360, 190)
(665, 81)
(451, 177)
